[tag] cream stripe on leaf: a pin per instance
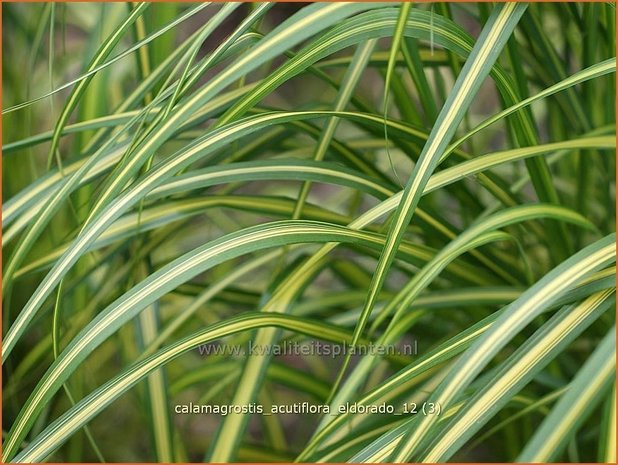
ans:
(552, 337)
(586, 390)
(477, 67)
(298, 27)
(517, 371)
(232, 428)
(604, 280)
(61, 429)
(531, 303)
(156, 285)
(474, 236)
(13, 205)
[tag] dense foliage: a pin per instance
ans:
(183, 177)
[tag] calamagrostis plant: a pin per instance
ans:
(179, 178)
